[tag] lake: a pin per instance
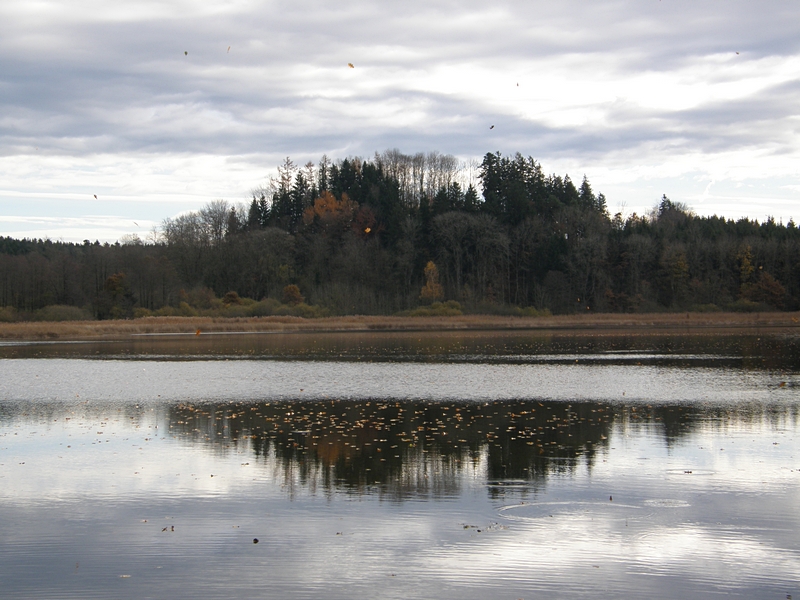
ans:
(401, 465)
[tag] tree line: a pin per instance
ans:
(387, 234)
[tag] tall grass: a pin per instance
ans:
(598, 324)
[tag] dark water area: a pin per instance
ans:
(401, 466)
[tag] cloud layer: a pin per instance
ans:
(161, 107)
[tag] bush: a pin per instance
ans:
(451, 308)
(530, 311)
(265, 308)
(292, 295)
(60, 312)
(231, 298)
(308, 311)
(236, 311)
(506, 310)
(185, 310)
(705, 308)
(742, 305)
(8, 314)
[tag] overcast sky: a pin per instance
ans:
(158, 107)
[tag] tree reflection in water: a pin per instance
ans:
(412, 449)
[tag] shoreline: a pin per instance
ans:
(596, 324)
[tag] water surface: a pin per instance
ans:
(398, 466)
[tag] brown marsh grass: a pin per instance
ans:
(599, 324)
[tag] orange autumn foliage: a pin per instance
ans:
(329, 212)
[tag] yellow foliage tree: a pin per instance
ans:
(433, 290)
(292, 295)
(329, 212)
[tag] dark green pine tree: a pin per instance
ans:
(254, 216)
(471, 200)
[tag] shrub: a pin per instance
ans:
(530, 311)
(236, 311)
(60, 312)
(265, 308)
(705, 308)
(743, 305)
(231, 298)
(451, 308)
(292, 295)
(8, 314)
(308, 311)
(185, 310)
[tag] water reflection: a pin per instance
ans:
(401, 450)
(405, 449)
(423, 449)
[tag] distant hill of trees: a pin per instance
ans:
(398, 231)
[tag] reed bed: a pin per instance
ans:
(596, 324)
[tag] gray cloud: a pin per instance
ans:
(85, 79)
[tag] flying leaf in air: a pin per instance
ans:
(95, 196)
(351, 65)
(229, 48)
(186, 53)
(492, 127)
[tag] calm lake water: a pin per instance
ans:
(406, 465)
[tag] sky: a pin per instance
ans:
(117, 115)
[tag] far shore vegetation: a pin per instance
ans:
(597, 324)
(411, 236)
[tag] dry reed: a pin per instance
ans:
(596, 324)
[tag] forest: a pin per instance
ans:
(411, 234)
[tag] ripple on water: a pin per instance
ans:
(667, 503)
(690, 472)
(534, 511)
